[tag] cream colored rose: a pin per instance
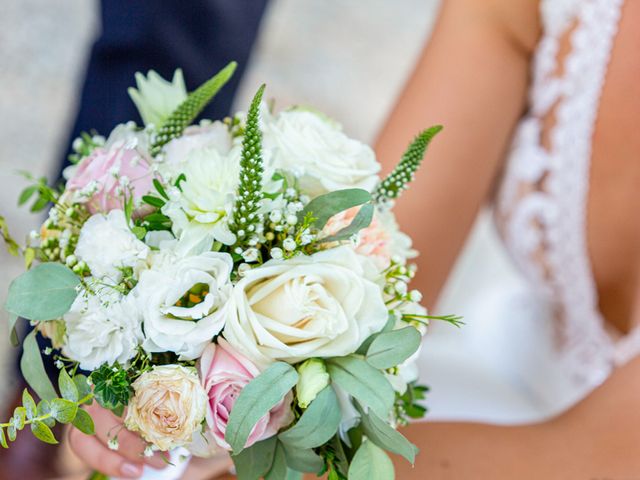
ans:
(323, 305)
(168, 406)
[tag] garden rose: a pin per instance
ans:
(168, 406)
(323, 305)
(224, 372)
(182, 301)
(319, 153)
(103, 178)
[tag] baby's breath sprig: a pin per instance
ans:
(188, 110)
(398, 180)
(84, 145)
(245, 217)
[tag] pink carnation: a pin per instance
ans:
(224, 373)
(102, 179)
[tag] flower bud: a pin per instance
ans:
(312, 380)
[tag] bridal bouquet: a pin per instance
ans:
(236, 285)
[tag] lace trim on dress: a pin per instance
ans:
(541, 207)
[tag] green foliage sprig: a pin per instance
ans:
(398, 180)
(42, 417)
(188, 110)
(249, 193)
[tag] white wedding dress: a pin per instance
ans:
(542, 349)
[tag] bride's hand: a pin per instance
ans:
(127, 462)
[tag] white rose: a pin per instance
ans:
(324, 305)
(200, 208)
(182, 299)
(319, 153)
(168, 406)
(102, 330)
(107, 245)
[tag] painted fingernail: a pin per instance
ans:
(131, 470)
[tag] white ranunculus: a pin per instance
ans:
(182, 300)
(168, 406)
(323, 305)
(156, 98)
(107, 245)
(319, 153)
(102, 329)
(200, 208)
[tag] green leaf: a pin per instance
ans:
(44, 407)
(45, 292)
(256, 399)
(3, 438)
(153, 201)
(19, 416)
(26, 194)
(43, 433)
(29, 257)
(63, 410)
(29, 404)
(371, 463)
(294, 475)
(278, 470)
(364, 382)
(386, 437)
(390, 349)
(160, 189)
(318, 423)
(139, 232)
(11, 432)
(84, 422)
(254, 462)
(398, 180)
(33, 369)
(67, 386)
(362, 220)
(303, 460)
(323, 207)
(188, 110)
(391, 322)
(82, 384)
(13, 334)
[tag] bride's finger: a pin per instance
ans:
(95, 454)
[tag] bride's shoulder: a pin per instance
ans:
(521, 20)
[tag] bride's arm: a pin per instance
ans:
(598, 438)
(472, 78)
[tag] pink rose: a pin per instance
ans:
(224, 373)
(102, 179)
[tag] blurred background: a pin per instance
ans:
(346, 57)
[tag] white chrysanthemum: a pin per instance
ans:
(107, 245)
(182, 300)
(102, 330)
(157, 98)
(200, 208)
(319, 153)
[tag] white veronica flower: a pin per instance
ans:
(102, 329)
(200, 208)
(323, 305)
(319, 153)
(107, 245)
(182, 299)
(157, 98)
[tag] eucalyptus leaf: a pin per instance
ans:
(323, 207)
(386, 437)
(256, 399)
(84, 422)
(390, 349)
(294, 475)
(13, 334)
(11, 432)
(318, 423)
(391, 321)
(45, 292)
(278, 470)
(29, 404)
(33, 369)
(3, 438)
(67, 386)
(63, 410)
(254, 462)
(371, 463)
(43, 432)
(44, 407)
(363, 382)
(19, 416)
(84, 389)
(302, 460)
(362, 220)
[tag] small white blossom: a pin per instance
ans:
(276, 253)
(250, 255)
(415, 296)
(292, 219)
(275, 216)
(113, 444)
(289, 244)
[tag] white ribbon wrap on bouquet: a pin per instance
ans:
(179, 460)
